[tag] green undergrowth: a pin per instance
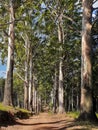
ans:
(87, 124)
(9, 108)
(22, 113)
(76, 114)
(97, 115)
(5, 108)
(14, 112)
(22, 110)
(73, 114)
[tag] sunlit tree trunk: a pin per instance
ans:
(34, 100)
(8, 90)
(87, 112)
(26, 84)
(61, 89)
(26, 87)
(40, 103)
(30, 81)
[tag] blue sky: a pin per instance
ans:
(2, 70)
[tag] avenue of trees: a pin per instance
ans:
(50, 50)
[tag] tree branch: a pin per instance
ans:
(9, 22)
(5, 33)
(94, 1)
(95, 8)
(70, 19)
(21, 78)
(96, 20)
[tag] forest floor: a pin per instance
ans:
(48, 121)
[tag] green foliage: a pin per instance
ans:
(73, 114)
(22, 110)
(18, 90)
(9, 108)
(38, 20)
(5, 108)
(12, 113)
(2, 82)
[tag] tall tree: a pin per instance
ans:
(61, 84)
(87, 111)
(10, 62)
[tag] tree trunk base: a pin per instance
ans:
(91, 117)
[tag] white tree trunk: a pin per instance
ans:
(61, 89)
(30, 81)
(26, 84)
(34, 96)
(8, 91)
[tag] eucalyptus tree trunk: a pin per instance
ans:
(87, 111)
(30, 80)
(26, 84)
(77, 102)
(72, 100)
(40, 103)
(69, 103)
(34, 100)
(61, 88)
(1, 94)
(8, 90)
(37, 104)
(55, 92)
(77, 97)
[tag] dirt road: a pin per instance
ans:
(46, 121)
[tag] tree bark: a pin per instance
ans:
(26, 84)
(87, 112)
(55, 92)
(61, 89)
(30, 81)
(72, 100)
(8, 90)
(34, 106)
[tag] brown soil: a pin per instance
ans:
(46, 121)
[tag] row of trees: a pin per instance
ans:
(44, 54)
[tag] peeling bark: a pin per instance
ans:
(87, 112)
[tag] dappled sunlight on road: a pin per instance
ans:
(46, 121)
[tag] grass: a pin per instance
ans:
(76, 114)
(17, 112)
(87, 124)
(5, 108)
(73, 114)
(9, 108)
(22, 110)
(97, 115)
